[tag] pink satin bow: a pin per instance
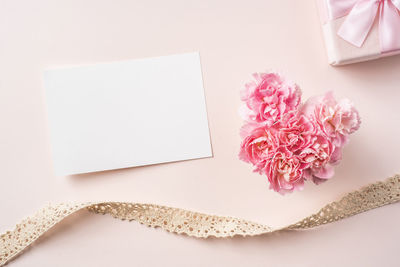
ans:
(361, 17)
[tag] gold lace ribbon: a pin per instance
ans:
(192, 223)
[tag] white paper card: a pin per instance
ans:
(128, 113)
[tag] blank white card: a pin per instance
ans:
(126, 114)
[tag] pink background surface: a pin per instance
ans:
(235, 38)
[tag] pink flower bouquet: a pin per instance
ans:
(289, 141)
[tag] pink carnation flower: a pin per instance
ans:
(269, 97)
(319, 156)
(285, 171)
(297, 132)
(258, 145)
(337, 119)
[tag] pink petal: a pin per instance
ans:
(325, 172)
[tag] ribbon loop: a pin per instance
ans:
(389, 27)
(359, 22)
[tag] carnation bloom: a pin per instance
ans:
(337, 119)
(319, 155)
(285, 171)
(258, 145)
(296, 131)
(269, 97)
